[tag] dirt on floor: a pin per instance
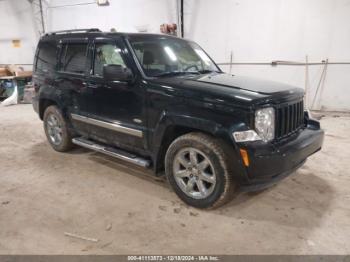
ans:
(125, 210)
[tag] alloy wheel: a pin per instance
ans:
(54, 129)
(194, 173)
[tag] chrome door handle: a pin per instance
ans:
(90, 85)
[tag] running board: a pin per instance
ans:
(117, 153)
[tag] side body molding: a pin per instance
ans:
(112, 126)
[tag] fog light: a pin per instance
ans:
(245, 136)
(244, 155)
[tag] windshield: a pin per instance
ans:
(165, 56)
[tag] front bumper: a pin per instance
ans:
(270, 163)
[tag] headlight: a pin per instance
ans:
(264, 127)
(265, 123)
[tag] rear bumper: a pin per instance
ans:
(270, 163)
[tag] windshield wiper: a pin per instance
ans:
(176, 73)
(206, 71)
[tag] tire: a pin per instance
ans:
(62, 141)
(216, 178)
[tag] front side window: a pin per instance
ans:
(74, 58)
(166, 56)
(46, 59)
(106, 54)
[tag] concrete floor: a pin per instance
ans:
(44, 194)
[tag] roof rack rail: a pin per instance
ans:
(85, 30)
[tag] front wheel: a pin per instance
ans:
(198, 169)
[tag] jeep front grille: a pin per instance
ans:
(289, 118)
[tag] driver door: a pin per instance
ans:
(119, 118)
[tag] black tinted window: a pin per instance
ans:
(74, 58)
(46, 59)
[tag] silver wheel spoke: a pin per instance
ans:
(201, 187)
(207, 178)
(49, 128)
(54, 120)
(54, 138)
(59, 130)
(203, 165)
(193, 157)
(58, 137)
(183, 161)
(49, 122)
(182, 173)
(190, 185)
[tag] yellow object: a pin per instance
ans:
(16, 43)
(245, 157)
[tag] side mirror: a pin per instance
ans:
(117, 73)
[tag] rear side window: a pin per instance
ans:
(46, 59)
(73, 58)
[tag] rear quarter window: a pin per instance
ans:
(47, 57)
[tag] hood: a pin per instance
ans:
(247, 83)
(224, 86)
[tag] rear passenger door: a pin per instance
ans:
(71, 80)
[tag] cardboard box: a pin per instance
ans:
(17, 71)
(4, 72)
(23, 73)
(13, 69)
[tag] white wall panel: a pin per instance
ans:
(123, 15)
(16, 22)
(266, 30)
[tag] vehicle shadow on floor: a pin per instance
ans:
(130, 169)
(298, 201)
(42, 150)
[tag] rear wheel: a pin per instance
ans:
(198, 169)
(56, 129)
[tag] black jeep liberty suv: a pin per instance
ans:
(161, 102)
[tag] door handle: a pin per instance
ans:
(58, 80)
(91, 85)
